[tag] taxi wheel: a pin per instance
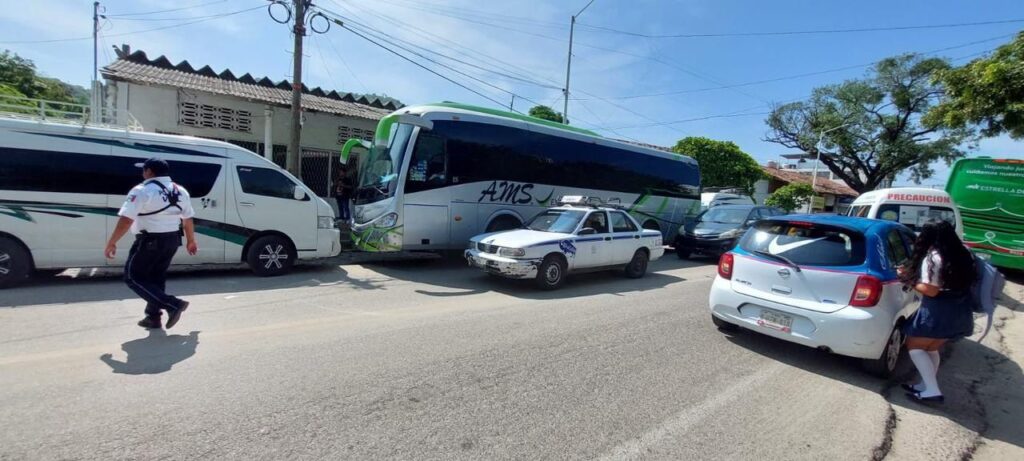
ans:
(271, 255)
(637, 266)
(884, 366)
(15, 263)
(551, 273)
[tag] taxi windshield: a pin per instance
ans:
(560, 221)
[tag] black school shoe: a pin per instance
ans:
(173, 317)
(150, 323)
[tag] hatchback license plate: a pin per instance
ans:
(776, 321)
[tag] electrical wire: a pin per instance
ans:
(345, 63)
(166, 11)
(122, 34)
(803, 32)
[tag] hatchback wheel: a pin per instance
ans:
(884, 366)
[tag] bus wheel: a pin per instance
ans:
(651, 225)
(503, 223)
(271, 255)
(15, 263)
(551, 272)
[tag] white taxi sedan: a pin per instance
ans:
(567, 239)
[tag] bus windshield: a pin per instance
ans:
(559, 221)
(378, 172)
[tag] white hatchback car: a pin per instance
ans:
(567, 239)
(822, 281)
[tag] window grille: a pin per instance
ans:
(207, 116)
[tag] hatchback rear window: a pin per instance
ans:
(806, 244)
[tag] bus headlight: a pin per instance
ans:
(512, 252)
(388, 220)
(325, 222)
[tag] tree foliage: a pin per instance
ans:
(988, 92)
(881, 131)
(722, 163)
(546, 113)
(791, 196)
(20, 74)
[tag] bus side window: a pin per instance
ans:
(428, 168)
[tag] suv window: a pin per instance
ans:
(897, 249)
(266, 182)
(598, 220)
(622, 223)
(806, 244)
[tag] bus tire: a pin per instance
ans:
(651, 224)
(551, 272)
(271, 255)
(15, 262)
(503, 223)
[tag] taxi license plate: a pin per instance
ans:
(776, 321)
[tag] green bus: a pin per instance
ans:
(990, 195)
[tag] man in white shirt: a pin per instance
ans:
(156, 211)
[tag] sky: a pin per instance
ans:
(623, 85)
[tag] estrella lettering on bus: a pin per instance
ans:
(918, 198)
(507, 192)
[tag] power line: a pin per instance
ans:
(167, 11)
(172, 26)
(345, 63)
(805, 32)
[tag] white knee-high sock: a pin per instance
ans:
(926, 368)
(935, 359)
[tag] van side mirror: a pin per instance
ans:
(298, 193)
(587, 231)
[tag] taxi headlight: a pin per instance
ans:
(325, 222)
(388, 220)
(512, 252)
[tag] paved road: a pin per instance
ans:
(423, 360)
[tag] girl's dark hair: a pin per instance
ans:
(958, 271)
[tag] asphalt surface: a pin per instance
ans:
(421, 360)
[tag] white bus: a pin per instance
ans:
(439, 174)
(61, 186)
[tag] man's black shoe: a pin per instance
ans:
(150, 323)
(172, 318)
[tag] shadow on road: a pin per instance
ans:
(966, 363)
(154, 354)
(66, 290)
(452, 273)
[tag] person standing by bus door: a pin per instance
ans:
(343, 193)
(156, 211)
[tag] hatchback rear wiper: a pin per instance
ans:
(782, 259)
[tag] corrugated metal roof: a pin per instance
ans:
(136, 67)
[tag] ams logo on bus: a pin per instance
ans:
(507, 192)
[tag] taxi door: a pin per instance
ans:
(594, 250)
(625, 237)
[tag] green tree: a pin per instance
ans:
(791, 196)
(20, 74)
(988, 92)
(722, 163)
(546, 113)
(872, 129)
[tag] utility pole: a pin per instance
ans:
(568, 64)
(293, 159)
(94, 101)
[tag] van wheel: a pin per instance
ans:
(884, 366)
(271, 255)
(637, 266)
(15, 263)
(551, 273)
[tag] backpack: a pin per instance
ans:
(986, 291)
(173, 196)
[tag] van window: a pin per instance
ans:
(915, 216)
(860, 211)
(75, 173)
(806, 244)
(621, 223)
(266, 182)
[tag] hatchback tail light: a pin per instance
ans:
(725, 265)
(867, 292)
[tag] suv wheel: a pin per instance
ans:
(271, 255)
(884, 366)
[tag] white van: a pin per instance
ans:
(910, 206)
(713, 199)
(61, 186)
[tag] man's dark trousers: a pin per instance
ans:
(145, 272)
